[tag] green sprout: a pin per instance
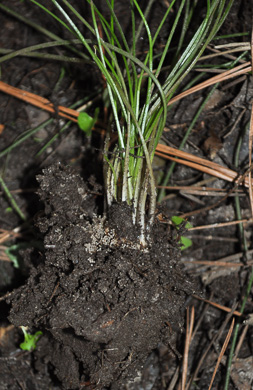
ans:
(13, 251)
(30, 340)
(185, 241)
(11, 199)
(178, 221)
(86, 122)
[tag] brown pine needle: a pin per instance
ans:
(240, 342)
(238, 70)
(6, 235)
(216, 263)
(223, 349)
(174, 379)
(198, 163)
(1, 128)
(238, 182)
(218, 306)
(4, 257)
(38, 101)
(250, 159)
(202, 191)
(4, 333)
(188, 337)
(251, 135)
(215, 339)
(232, 260)
(221, 224)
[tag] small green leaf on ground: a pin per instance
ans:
(30, 341)
(178, 220)
(186, 242)
(85, 122)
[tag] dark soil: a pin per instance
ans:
(113, 313)
(103, 302)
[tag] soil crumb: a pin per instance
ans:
(103, 303)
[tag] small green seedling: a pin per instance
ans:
(186, 242)
(12, 257)
(86, 122)
(13, 251)
(30, 341)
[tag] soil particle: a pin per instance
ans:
(103, 303)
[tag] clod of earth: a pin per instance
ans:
(102, 302)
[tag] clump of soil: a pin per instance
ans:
(103, 302)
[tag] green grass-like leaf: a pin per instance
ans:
(138, 100)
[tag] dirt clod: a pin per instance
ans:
(102, 303)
